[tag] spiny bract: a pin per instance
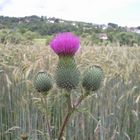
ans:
(43, 82)
(92, 78)
(67, 74)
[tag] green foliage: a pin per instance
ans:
(28, 35)
(113, 25)
(48, 39)
(36, 27)
(125, 38)
(9, 36)
(94, 38)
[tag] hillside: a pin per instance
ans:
(44, 26)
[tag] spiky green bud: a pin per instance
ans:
(92, 78)
(67, 74)
(43, 82)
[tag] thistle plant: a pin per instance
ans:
(67, 75)
(65, 45)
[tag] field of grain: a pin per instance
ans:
(111, 113)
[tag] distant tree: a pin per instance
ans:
(29, 35)
(2, 26)
(112, 37)
(126, 38)
(113, 25)
(30, 27)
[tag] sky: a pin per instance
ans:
(121, 12)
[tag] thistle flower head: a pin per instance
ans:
(43, 82)
(92, 78)
(65, 43)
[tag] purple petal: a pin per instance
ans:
(65, 43)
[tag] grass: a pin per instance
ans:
(111, 113)
(40, 41)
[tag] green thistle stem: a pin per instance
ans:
(81, 98)
(70, 111)
(44, 101)
(66, 119)
(69, 102)
(68, 115)
(79, 101)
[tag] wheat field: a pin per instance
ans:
(111, 113)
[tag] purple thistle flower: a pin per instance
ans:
(65, 43)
